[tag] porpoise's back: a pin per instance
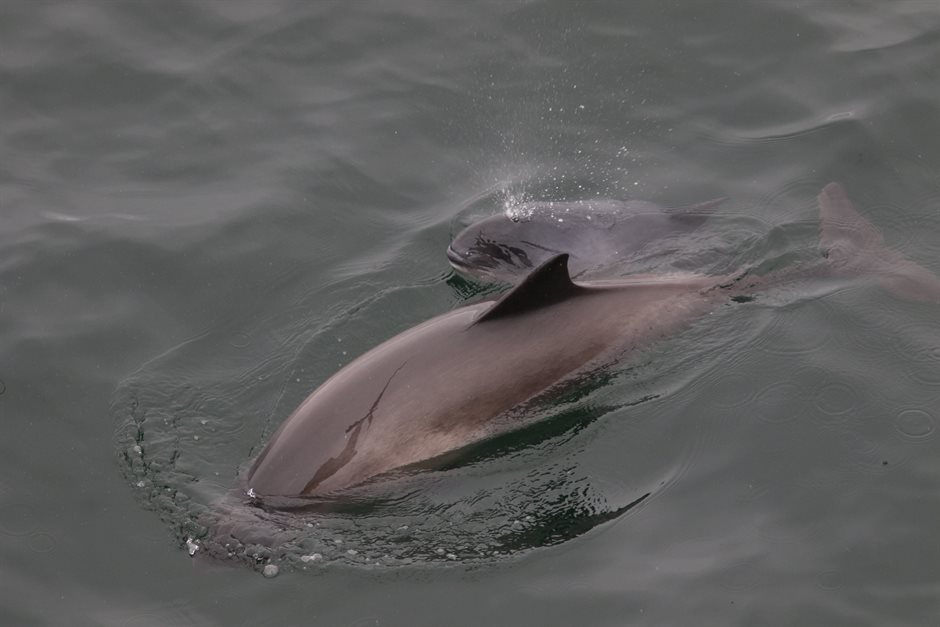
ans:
(438, 386)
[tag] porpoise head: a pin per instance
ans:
(509, 245)
(595, 233)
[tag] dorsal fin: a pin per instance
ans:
(546, 285)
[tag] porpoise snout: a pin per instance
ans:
(456, 258)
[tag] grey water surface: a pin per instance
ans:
(208, 207)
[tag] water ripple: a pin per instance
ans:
(914, 424)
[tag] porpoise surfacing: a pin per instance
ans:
(452, 380)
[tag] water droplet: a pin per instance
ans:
(836, 398)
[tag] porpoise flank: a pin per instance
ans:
(451, 381)
(594, 234)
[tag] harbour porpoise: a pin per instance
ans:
(594, 233)
(455, 379)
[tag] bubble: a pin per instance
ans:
(774, 403)
(829, 580)
(836, 399)
(914, 424)
(41, 542)
(241, 340)
(270, 570)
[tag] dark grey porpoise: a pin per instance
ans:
(453, 380)
(594, 234)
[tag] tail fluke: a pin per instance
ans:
(854, 247)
